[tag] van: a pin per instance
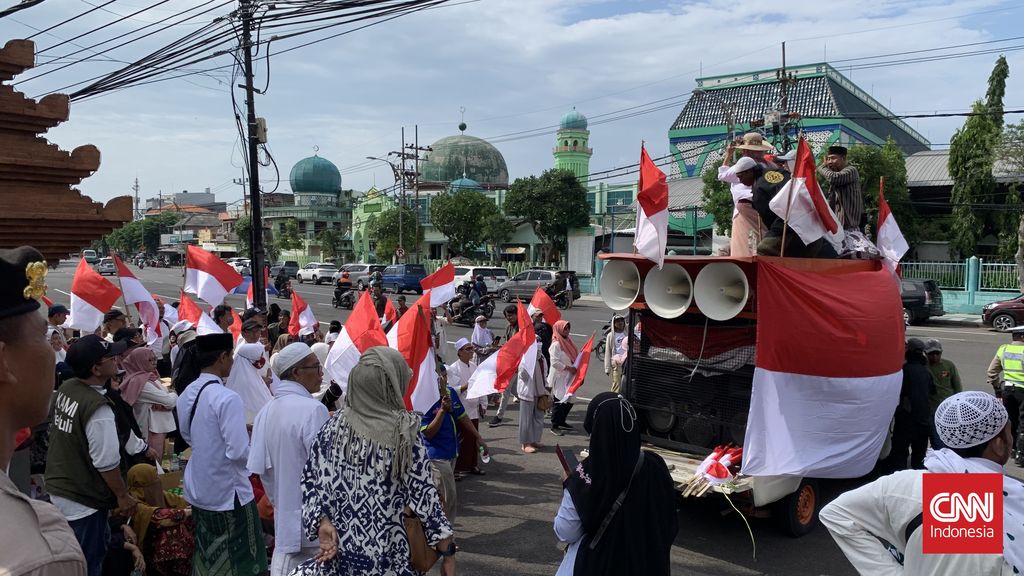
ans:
(90, 256)
(491, 276)
(402, 277)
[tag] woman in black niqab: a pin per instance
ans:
(638, 536)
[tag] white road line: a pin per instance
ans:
(62, 292)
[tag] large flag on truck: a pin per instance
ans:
(828, 371)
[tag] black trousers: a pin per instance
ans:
(908, 438)
(559, 411)
(1013, 401)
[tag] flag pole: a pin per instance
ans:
(127, 311)
(640, 182)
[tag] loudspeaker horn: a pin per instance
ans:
(669, 291)
(721, 290)
(620, 284)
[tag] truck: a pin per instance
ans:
(797, 361)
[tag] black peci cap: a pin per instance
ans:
(22, 275)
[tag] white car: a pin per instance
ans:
(316, 272)
(240, 265)
(493, 277)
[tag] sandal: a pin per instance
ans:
(477, 472)
(459, 476)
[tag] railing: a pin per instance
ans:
(946, 274)
(998, 276)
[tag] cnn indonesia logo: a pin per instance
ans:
(963, 514)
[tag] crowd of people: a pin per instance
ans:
(281, 470)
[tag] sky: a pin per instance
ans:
(512, 65)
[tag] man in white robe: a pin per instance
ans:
(282, 434)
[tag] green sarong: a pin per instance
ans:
(229, 543)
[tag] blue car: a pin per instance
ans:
(402, 277)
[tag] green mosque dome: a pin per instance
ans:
(455, 157)
(315, 175)
(573, 120)
(465, 184)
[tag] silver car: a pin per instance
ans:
(106, 266)
(359, 274)
(524, 284)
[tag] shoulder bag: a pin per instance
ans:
(422, 556)
(544, 403)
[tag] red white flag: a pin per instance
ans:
(582, 364)
(236, 325)
(845, 353)
(390, 314)
(266, 285)
(136, 294)
(651, 235)
(890, 241)
(441, 285)
(201, 322)
(92, 296)
(543, 303)
(47, 301)
(209, 277)
(303, 321)
(496, 372)
(361, 332)
(412, 337)
(801, 201)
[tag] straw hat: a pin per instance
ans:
(754, 141)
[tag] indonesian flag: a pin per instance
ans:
(890, 240)
(236, 325)
(390, 314)
(303, 321)
(582, 364)
(246, 288)
(543, 303)
(801, 203)
(441, 285)
(209, 277)
(47, 301)
(190, 312)
(652, 212)
(495, 373)
(361, 332)
(412, 337)
(92, 296)
(825, 386)
(135, 293)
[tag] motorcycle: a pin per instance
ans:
(344, 297)
(284, 289)
(467, 311)
(599, 347)
(561, 299)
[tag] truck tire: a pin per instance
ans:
(798, 513)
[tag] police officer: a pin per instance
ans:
(1006, 376)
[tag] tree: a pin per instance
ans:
(717, 199)
(497, 231)
(873, 163)
(384, 228)
(330, 243)
(1010, 154)
(289, 238)
(142, 235)
(553, 204)
(243, 230)
(461, 216)
(971, 158)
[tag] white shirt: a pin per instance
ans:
(216, 472)
(559, 376)
(568, 528)
(739, 190)
(883, 508)
(282, 434)
(459, 374)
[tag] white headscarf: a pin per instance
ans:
(482, 336)
(320, 350)
(245, 379)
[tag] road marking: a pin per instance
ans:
(956, 331)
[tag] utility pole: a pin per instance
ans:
(246, 11)
(415, 176)
(135, 188)
(401, 201)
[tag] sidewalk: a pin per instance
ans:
(960, 320)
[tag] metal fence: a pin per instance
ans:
(998, 276)
(947, 274)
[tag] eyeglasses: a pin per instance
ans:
(318, 366)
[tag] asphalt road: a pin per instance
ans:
(505, 517)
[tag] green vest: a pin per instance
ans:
(1011, 356)
(69, 470)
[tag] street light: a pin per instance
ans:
(401, 203)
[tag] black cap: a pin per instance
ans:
(840, 150)
(215, 343)
(57, 309)
(85, 352)
(126, 334)
(251, 324)
(113, 314)
(22, 272)
(915, 345)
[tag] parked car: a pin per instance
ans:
(106, 266)
(290, 266)
(240, 265)
(922, 299)
(359, 274)
(524, 284)
(402, 277)
(316, 272)
(493, 277)
(1005, 314)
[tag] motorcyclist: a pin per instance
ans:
(280, 279)
(462, 300)
(343, 285)
(479, 290)
(380, 301)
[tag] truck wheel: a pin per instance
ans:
(798, 512)
(1003, 322)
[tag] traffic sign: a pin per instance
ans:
(400, 252)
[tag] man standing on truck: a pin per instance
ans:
(1006, 376)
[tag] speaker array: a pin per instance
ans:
(720, 291)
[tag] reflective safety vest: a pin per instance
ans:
(1011, 357)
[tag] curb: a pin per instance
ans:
(955, 322)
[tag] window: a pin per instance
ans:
(391, 270)
(536, 276)
(621, 198)
(565, 143)
(521, 277)
(423, 208)
(459, 271)
(592, 200)
(575, 143)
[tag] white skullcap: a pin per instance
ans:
(970, 418)
(306, 330)
(461, 343)
(331, 337)
(289, 356)
(320, 350)
(742, 165)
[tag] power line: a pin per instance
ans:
(73, 18)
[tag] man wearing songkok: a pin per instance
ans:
(974, 427)
(281, 436)
(229, 535)
(113, 320)
(35, 539)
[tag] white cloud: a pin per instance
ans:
(515, 65)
